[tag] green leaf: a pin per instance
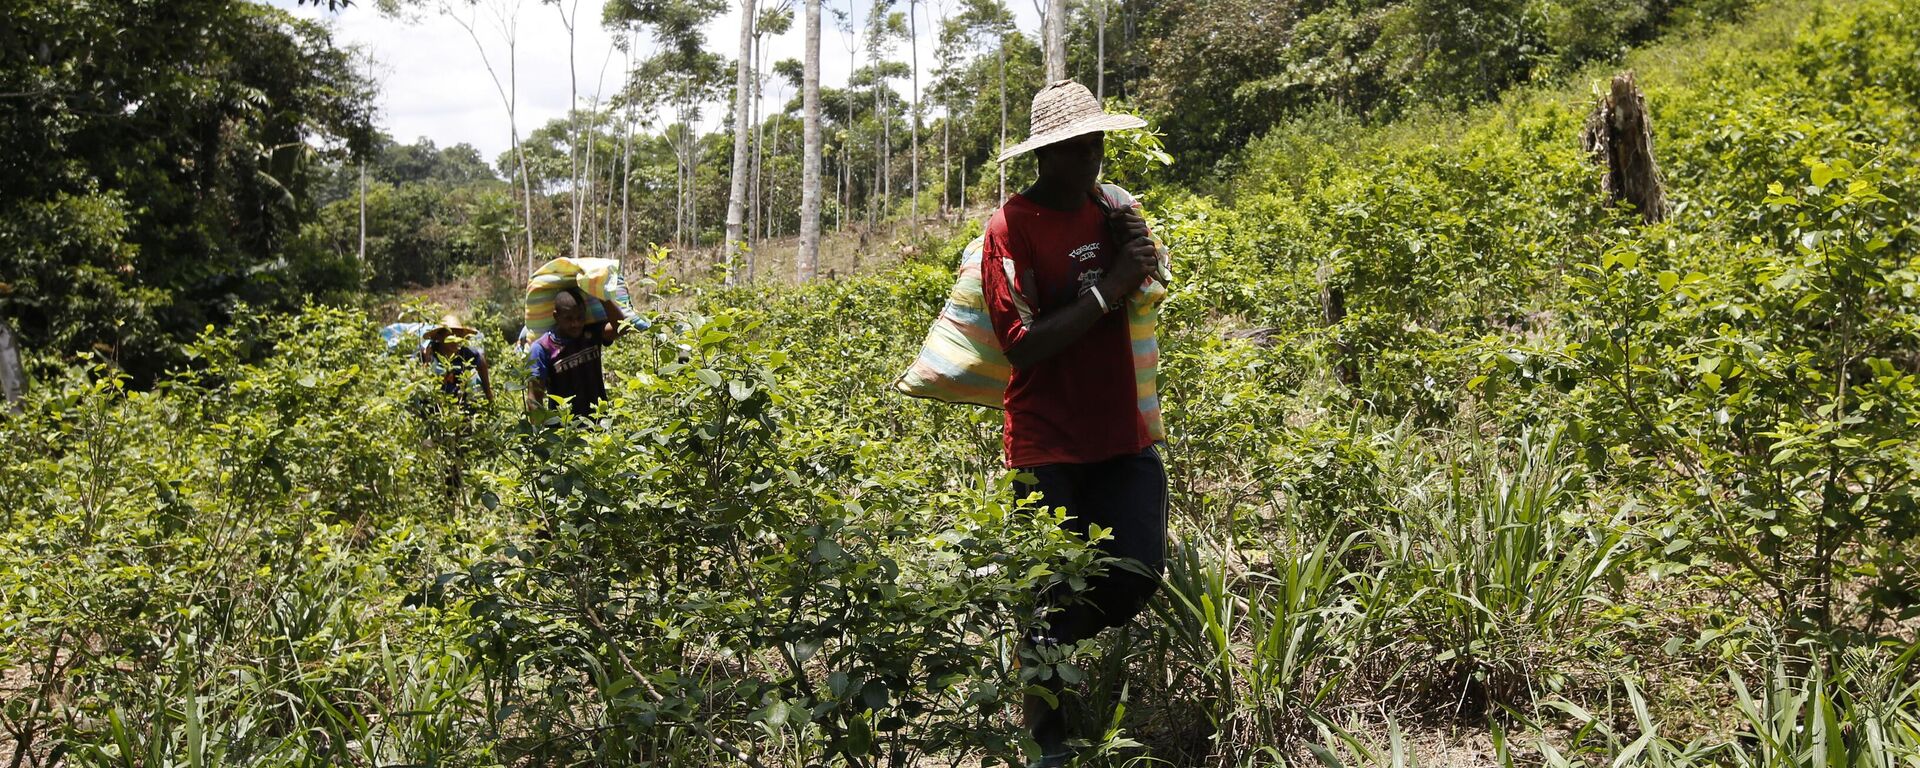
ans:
(1821, 173)
(875, 695)
(1325, 756)
(806, 648)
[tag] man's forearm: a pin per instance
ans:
(1050, 334)
(614, 316)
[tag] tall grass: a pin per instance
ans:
(1264, 643)
(1496, 561)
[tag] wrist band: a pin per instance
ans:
(1099, 298)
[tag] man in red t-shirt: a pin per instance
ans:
(1057, 267)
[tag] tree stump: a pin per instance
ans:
(1333, 310)
(1619, 137)
(13, 376)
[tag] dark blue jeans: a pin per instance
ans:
(1128, 496)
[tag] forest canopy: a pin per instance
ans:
(160, 160)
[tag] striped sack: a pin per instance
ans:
(961, 361)
(597, 278)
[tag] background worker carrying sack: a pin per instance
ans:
(597, 278)
(961, 361)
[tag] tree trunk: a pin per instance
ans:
(595, 210)
(808, 260)
(884, 148)
(680, 196)
(626, 167)
(573, 123)
(520, 151)
(752, 237)
(769, 196)
(691, 143)
(1100, 50)
(913, 183)
(607, 243)
(846, 153)
(770, 191)
(946, 158)
(1056, 38)
(742, 134)
(886, 156)
(363, 189)
(1003, 114)
(526, 198)
(586, 190)
(877, 210)
(1127, 20)
(509, 25)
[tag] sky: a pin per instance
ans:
(434, 84)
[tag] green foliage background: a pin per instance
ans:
(1598, 492)
(158, 157)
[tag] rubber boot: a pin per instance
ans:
(1047, 724)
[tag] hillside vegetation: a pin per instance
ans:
(1559, 488)
(173, 165)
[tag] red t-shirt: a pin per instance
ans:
(1079, 406)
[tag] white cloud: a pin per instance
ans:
(433, 82)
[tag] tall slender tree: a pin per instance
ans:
(876, 56)
(363, 186)
(585, 139)
(1056, 39)
(775, 20)
(992, 16)
(807, 262)
(626, 144)
(913, 185)
(1100, 49)
(883, 28)
(506, 19)
(946, 55)
(688, 76)
(742, 137)
(568, 19)
(847, 29)
(756, 162)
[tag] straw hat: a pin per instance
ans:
(1065, 109)
(449, 323)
